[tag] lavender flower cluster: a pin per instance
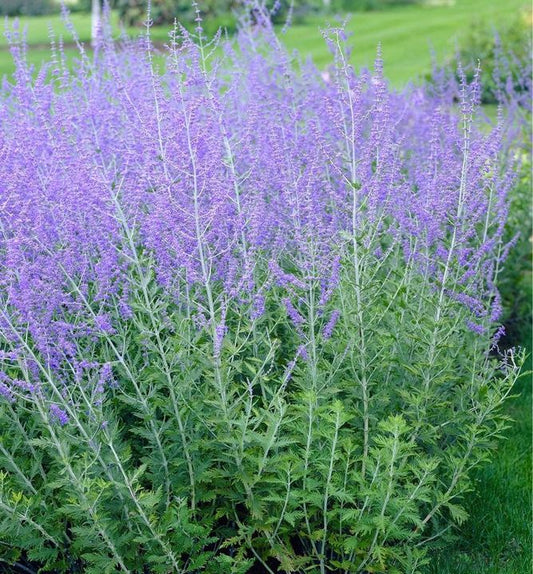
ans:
(220, 166)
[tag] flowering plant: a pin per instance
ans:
(248, 311)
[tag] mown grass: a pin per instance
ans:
(407, 34)
(497, 537)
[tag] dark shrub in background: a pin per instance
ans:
(27, 7)
(132, 12)
(485, 44)
(367, 5)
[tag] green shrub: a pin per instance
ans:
(133, 12)
(247, 317)
(516, 285)
(301, 9)
(27, 7)
(484, 44)
(343, 461)
(368, 5)
(215, 13)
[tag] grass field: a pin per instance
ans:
(407, 34)
(497, 538)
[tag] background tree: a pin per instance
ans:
(96, 11)
(26, 7)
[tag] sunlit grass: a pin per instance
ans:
(408, 35)
(497, 537)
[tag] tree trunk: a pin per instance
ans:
(95, 21)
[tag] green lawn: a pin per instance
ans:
(407, 34)
(497, 537)
(37, 31)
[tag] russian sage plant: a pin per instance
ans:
(248, 309)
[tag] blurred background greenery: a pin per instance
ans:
(409, 30)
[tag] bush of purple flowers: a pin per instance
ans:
(248, 310)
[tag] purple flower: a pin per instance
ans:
(330, 325)
(247, 182)
(58, 415)
(498, 334)
(476, 327)
(293, 313)
(103, 323)
(6, 392)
